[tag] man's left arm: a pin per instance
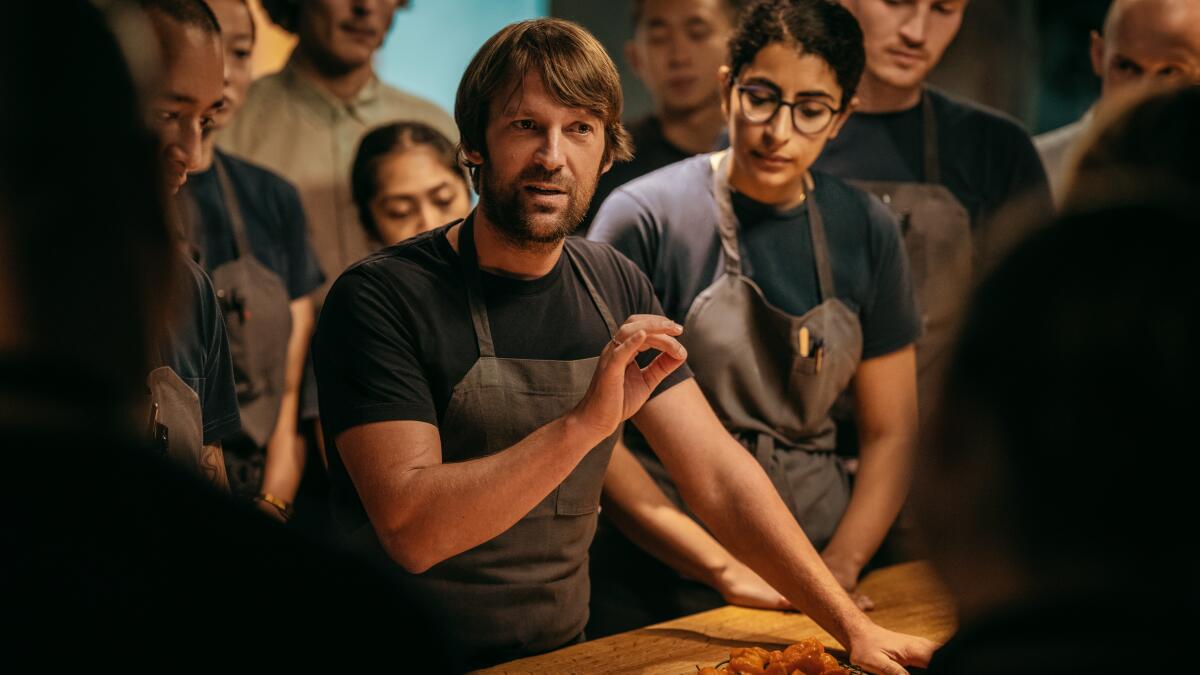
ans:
(285, 460)
(732, 495)
(886, 397)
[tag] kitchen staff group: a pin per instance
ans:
(735, 356)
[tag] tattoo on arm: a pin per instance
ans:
(212, 465)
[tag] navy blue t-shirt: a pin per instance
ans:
(197, 349)
(275, 223)
(665, 222)
(986, 159)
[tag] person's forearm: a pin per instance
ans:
(284, 464)
(739, 504)
(880, 488)
(428, 514)
(635, 503)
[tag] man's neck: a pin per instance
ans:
(693, 131)
(496, 254)
(877, 96)
(344, 84)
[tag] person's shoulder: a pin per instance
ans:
(664, 187)
(607, 262)
(409, 267)
(854, 205)
(973, 119)
(258, 178)
(1057, 141)
(407, 105)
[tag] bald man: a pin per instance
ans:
(1144, 42)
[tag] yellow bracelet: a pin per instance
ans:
(284, 507)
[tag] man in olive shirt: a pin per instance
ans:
(305, 121)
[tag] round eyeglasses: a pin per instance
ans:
(809, 116)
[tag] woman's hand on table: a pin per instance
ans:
(740, 585)
(878, 650)
(846, 573)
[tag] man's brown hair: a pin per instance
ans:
(576, 70)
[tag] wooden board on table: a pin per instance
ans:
(907, 599)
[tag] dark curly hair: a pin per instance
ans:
(822, 28)
(385, 140)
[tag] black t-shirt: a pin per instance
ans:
(395, 334)
(275, 223)
(197, 349)
(666, 224)
(986, 159)
(651, 150)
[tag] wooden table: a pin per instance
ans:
(907, 598)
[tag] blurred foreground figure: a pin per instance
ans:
(1053, 469)
(107, 544)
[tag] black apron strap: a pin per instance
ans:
(229, 196)
(597, 300)
(727, 226)
(470, 263)
(820, 246)
(933, 171)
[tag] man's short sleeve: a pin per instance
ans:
(367, 363)
(643, 301)
(218, 398)
(889, 315)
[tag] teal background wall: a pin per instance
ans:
(433, 40)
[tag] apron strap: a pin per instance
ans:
(820, 247)
(474, 284)
(229, 196)
(597, 300)
(470, 263)
(933, 171)
(726, 220)
(727, 225)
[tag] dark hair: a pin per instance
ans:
(386, 140)
(187, 12)
(575, 68)
(822, 28)
(1076, 366)
(92, 260)
(732, 7)
(253, 25)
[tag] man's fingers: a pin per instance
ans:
(663, 365)
(651, 324)
(624, 351)
(665, 344)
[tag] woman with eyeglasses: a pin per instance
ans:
(794, 292)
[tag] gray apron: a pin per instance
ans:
(258, 318)
(937, 237)
(175, 426)
(746, 356)
(525, 591)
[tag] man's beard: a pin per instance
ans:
(505, 207)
